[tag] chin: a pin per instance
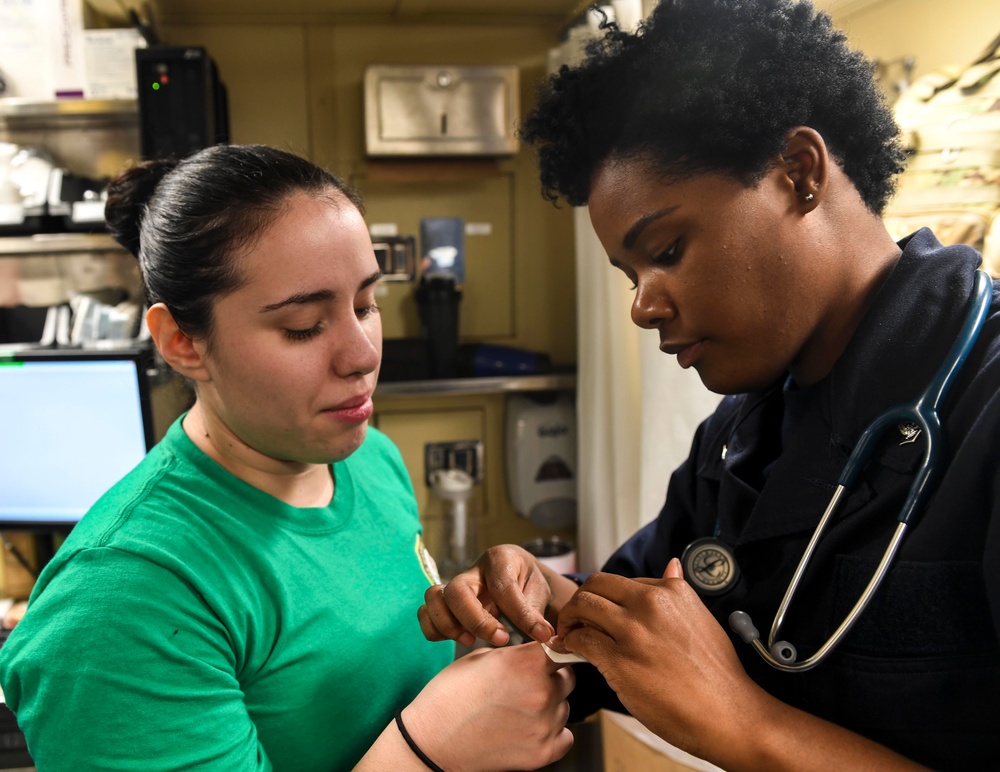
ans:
(732, 383)
(350, 443)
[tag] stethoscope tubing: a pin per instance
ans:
(923, 411)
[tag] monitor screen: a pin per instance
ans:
(72, 423)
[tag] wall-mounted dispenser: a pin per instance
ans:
(541, 457)
(441, 111)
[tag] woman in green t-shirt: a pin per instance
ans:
(246, 598)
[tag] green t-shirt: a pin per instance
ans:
(193, 621)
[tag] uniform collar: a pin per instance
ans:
(903, 338)
(895, 351)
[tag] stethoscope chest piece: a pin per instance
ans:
(710, 566)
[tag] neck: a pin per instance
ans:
(864, 264)
(296, 483)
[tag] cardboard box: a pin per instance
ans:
(629, 747)
(65, 27)
(41, 49)
(110, 62)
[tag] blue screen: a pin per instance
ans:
(68, 431)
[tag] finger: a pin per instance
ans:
(598, 602)
(551, 666)
(431, 633)
(524, 605)
(562, 713)
(462, 601)
(674, 570)
(442, 618)
(437, 623)
(564, 742)
(590, 643)
(566, 681)
(614, 587)
(586, 609)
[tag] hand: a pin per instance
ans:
(670, 662)
(494, 709)
(505, 580)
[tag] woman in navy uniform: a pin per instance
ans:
(736, 157)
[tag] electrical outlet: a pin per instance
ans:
(466, 455)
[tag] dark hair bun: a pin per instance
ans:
(128, 193)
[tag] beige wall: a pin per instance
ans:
(299, 86)
(936, 33)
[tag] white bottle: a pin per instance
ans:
(454, 487)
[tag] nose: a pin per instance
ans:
(359, 349)
(652, 305)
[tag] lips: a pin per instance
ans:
(353, 402)
(686, 353)
(354, 410)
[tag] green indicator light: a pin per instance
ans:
(9, 363)
(156, 87)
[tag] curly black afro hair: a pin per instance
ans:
(715, 86)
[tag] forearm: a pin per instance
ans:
(776, 737)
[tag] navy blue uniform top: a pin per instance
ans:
(920, 670)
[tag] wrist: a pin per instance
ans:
(414, 745)
(561, 587)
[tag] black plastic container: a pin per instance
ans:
(438, 299)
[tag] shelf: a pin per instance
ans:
(12, 108)
(36, 115)
(494, 385)
(57, 243)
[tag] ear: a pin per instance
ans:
(182, 353)
(806, 166)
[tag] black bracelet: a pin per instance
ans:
(413, 746)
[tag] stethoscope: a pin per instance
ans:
(710, 566)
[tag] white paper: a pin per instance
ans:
(560, 657)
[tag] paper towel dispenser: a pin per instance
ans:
(541, 457)
(441, 110)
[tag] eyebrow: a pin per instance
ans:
(305, 298)
(633, 233)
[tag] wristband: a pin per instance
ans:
(413, 746)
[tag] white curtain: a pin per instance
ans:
(636, 408)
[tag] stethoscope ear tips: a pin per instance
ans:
(784, 652)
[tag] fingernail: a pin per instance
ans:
(541, 632)
(500, 637)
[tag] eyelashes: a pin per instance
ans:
(311, 332)
(670, 256)
(299, 335)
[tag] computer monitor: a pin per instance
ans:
(72, 423)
